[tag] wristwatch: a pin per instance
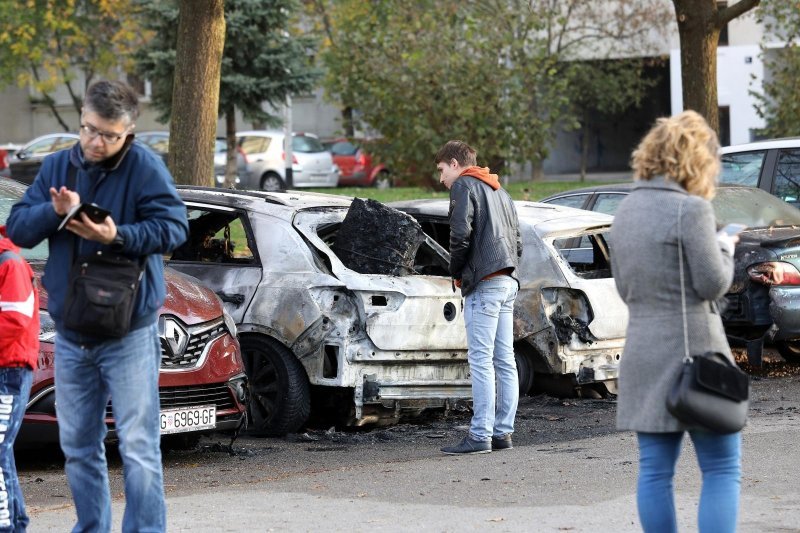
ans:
(118, 242)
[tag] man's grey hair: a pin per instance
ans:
(112, 100)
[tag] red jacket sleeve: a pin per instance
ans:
(17, 301)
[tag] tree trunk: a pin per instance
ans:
(347, 122)
(231, 166)
(195, 93)
(699, 37)
(585, 133)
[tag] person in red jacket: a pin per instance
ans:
(19, 352)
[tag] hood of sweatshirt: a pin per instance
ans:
(5, 242)
(482, 173)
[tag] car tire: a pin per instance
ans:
(271, 182)
(789, 350)
(280, 398)
(383, 180)
(524, 372)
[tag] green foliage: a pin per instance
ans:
(495, 73)
(779, 103)
(422, 72)
(46, 44)
(262, 62)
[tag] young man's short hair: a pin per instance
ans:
(463, 153)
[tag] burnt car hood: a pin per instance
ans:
(759, 245)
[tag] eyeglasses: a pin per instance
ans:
(108, 138)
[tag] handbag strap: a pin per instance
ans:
(686, 357)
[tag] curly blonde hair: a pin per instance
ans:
(683, 149)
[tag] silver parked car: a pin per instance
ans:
(25, 163)
(371, 346)
(312, 165)
(569, 320)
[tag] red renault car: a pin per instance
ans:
(202, 384)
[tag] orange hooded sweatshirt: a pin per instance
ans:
(482, 173)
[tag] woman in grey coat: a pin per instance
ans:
(676, 165)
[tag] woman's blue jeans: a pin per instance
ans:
(489, 318)
(15, 386)
(125, 369)
(719, 457)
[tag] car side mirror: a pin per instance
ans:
(22, 155)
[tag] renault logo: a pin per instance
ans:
(176, 337)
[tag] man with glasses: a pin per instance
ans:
(147, 219)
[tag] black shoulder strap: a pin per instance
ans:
(72, 179)
(72, 176)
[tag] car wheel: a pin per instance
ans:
(271, 183)
(789, 350)
(383, 180)
(524, 372)
(280, 399)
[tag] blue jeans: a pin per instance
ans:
(489, 317)
(15, 387)
(126, 370)
(719, 457)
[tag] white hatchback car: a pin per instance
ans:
(312, 165)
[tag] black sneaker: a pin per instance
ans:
(502, 443)
(468, 447)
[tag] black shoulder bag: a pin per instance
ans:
(710, 392)
(101, 291)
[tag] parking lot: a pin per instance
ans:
(569, 471)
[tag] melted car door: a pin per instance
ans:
(221, 253)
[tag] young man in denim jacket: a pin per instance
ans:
(485, 248)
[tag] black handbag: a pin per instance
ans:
(102, 294)
(710, 392)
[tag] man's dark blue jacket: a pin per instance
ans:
(138, 190)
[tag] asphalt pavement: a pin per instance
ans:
(578, 486)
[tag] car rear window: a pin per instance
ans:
(306, 145)
(743, 168)
(343, 148)
(588, 255)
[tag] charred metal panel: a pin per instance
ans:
(376, 239)
(785, 311)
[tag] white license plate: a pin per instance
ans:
(188, 419)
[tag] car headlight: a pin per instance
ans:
(229, 323)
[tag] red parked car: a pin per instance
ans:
(202, 383)
(357, 166)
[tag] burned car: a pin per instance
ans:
(569, 320)
(202, 383)
(763, 303)
(372, 344)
